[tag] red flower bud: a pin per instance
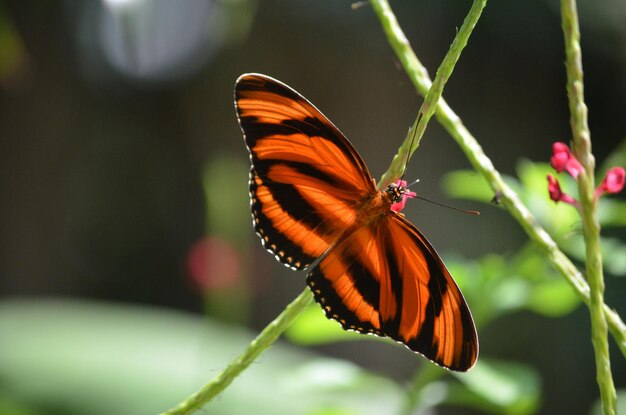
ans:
(562, 159)
(556, 194)
(560, 155)
(613, 182)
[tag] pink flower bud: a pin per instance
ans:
(562, 159)
(560, 155)
(556, 194)
(613, 182)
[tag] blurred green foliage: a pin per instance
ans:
(11, 50)
(621, 404)
(71, 357)
(228, 218)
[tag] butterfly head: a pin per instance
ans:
(398, 192)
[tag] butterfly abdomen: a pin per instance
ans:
(372, 209)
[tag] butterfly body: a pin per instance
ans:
(315, 206)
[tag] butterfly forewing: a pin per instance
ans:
(312, 197)
(306, 178)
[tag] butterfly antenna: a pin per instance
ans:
(471, 212)
(412, 183)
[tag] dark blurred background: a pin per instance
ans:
(123, 172)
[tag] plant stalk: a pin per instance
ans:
(588, 202)
(434, 90)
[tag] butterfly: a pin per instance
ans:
(315, 206)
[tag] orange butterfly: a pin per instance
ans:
(315, 203)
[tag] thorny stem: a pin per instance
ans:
(588, 203)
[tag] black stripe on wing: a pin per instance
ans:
(343, 261)
(446, 333)
(296, 115)
(286, 250)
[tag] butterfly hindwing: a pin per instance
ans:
(347, 281)
(435, 319)
(388, 280)
(306, 178)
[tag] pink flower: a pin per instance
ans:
(405, 194)
(556, 194)
(613, 182)
(562, 159)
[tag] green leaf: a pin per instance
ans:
(611, 212)
(557, 218)
(467, 273)
(226, 195)
(614, 256)
(312, 328)
(621, 404)
(616, 158)
(498, 386)
(12, 407)
(334, 411)
(533, 175)
(613, 252)
(553, 298)
(531, 265)
(495, 285)
(74, 358)
(510, 294)
(467, 184)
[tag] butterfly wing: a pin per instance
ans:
(379, 275)
(306, 179)
(388, 280)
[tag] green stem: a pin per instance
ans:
(482, 164)
(265, 339)
(435, 90)
(588, 202)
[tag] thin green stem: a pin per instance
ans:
(435, 90)
(482, 164)
(588, 202)
(265, 339)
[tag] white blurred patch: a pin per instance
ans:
(149, 40)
